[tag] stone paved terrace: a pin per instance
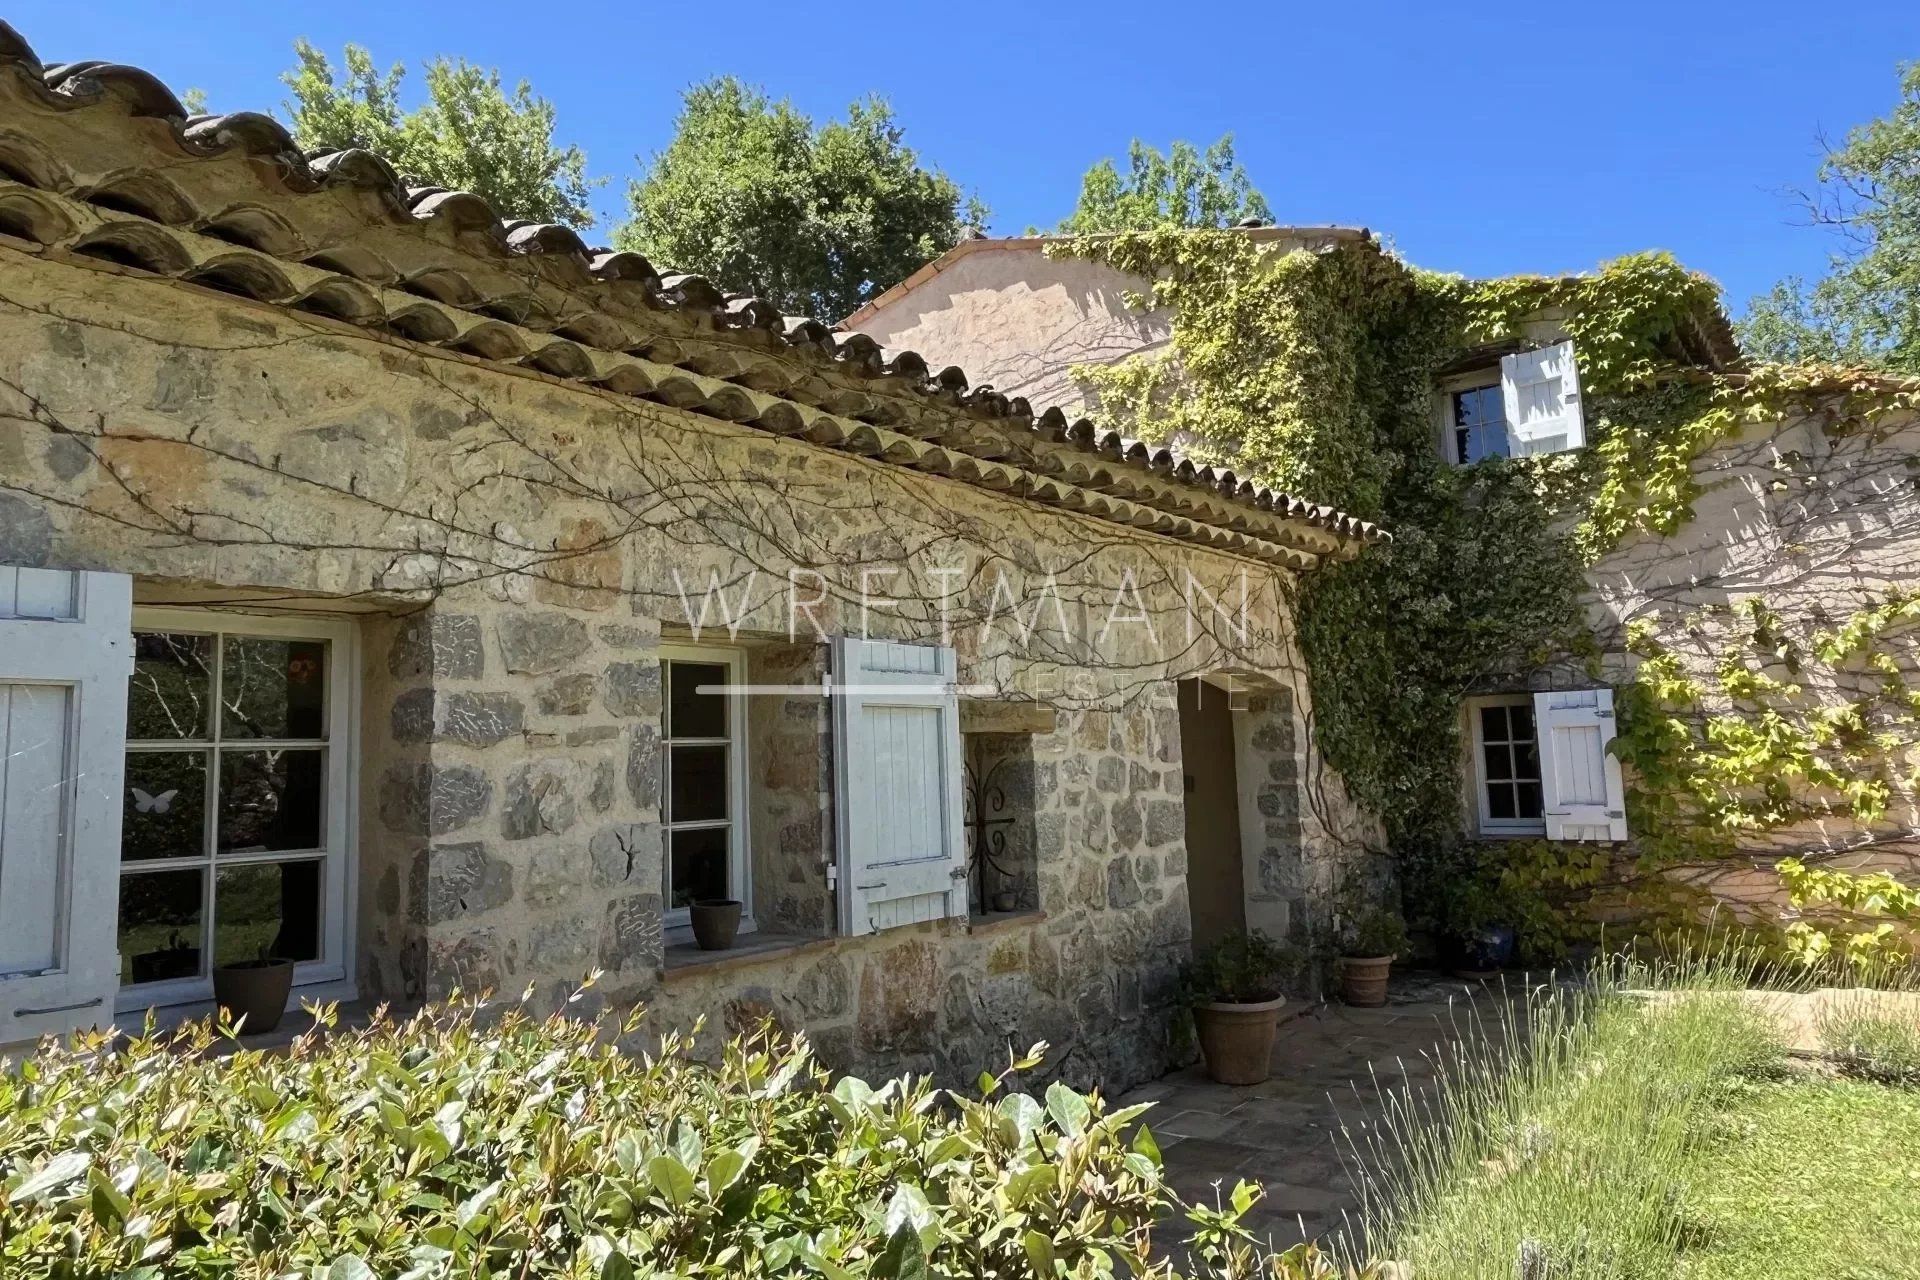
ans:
(1331, 1065)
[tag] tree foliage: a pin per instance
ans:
(469, 135)
(1867, 309)
(1184, 188)
(816, 218)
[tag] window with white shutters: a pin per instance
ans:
(1580, 779)
(1540, 391)
(902, 856)
(65, 647)
(1541, 766)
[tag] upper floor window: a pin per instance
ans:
(1531, 406)
(1479, 424)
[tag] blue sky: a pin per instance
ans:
(1521, 137)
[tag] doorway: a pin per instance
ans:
(1216, 895)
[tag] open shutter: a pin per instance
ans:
(66, 648)
(1541, 390)
(897, 747)
(1580, 780)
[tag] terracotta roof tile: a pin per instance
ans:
(340, 234)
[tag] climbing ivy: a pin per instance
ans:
(1313, 370)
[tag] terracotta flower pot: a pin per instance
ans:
(255, 991)
(715, 923)
(1363, 980)
(1237, 1039)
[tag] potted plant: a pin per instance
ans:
(1235, 993)
(715, 922)
(254, 992)
(1370, 939)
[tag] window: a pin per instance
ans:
(1479, 424)
(1541, 765)
(703, 778)
(1528, 405)
(1507, 763)
(236, 820)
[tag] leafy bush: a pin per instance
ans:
(1242, 968)
(1376, 931)
(1874, 1036)
(469, 1142)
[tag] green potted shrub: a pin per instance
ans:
(1475, 941)
(1234, 989)
(254, 992)
(1370, 939)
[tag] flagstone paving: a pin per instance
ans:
(1333, 1066)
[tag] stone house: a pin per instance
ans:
(1813, 512)
(488, 600)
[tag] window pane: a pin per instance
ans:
(1529, 800)
(1499, 760)
(1526, 761)
(1500, 800)
(170, 694)
(163, 813)
(160, 927)
(267, 911)
(271, 799)
(691, 714)
(1493, 724)
(699, 790)
(273, 688)
(1521, 717)
(699, 865)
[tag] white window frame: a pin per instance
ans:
(1445, 394)
(1488, 825)
(340, 819)
(739, 874)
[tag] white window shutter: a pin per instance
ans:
(902, 847)
(66, 650)
(1541, 391)
(1581, 790)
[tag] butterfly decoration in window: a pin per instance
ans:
(145, 803)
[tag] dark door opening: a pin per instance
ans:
(1215, 893)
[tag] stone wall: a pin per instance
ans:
(1817, 524)
(514, 549)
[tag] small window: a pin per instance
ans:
(1479, 424)
(234, 827)
(1506, 754)
(703, 777)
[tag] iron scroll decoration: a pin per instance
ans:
(987, 844)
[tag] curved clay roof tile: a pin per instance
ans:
(252, 132)
(748, 312)
(140, 90)
(908, 364)
(544, 237)
(461, 210)
(622, 264)
(15, 49)
(356, 167)
(692, 291)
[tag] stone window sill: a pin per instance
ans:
(685, 959)
(998, 921)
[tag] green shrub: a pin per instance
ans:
(473, 1143)
(1241, 968)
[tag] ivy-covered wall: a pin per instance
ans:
(1734, 550)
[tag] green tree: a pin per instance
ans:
(469, 135)
(815, 218)
(1867, 308)
(1184, 188)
